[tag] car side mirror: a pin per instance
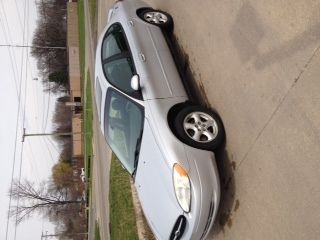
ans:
(135, 82)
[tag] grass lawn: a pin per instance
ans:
(97, 232)
(87, 98)
(87, 124)
(93, 16)
(122, 215)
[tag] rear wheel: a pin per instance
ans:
(158, 18)
(199, 127)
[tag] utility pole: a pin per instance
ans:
(47, 134)
(45, 236)
(31, 46)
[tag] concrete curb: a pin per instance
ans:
(141, 228)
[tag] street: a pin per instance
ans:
(257, 64)
(99, 209)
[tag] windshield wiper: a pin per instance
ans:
(136, 154)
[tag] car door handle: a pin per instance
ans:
(142, 57)
(131, 23)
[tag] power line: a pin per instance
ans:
(54, 146)
(50, 153)
(35, 96)
(26, 17)
(46, 29)
(11, 55)
(43, 110)
(29, 64)
(34, 168)
(20, 22)
(48, 108)
(33, 46)
(16, 138)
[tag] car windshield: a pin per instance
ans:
(123, 126)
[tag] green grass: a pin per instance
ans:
(87, 128)
(86, 95)
(97, 232)
(82, 39)
(122, 215)
(87, 101)
(93, 15)
(87, 123)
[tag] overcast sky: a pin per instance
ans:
(39, 153)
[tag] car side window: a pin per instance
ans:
(119, 73)
(117, 62)
(114, 42)
(123, 126)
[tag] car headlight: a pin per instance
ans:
(182, 187)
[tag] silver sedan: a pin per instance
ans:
(161, 138)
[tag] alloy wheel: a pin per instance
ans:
(155, 17)
(200, 127)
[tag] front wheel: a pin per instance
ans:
(199, 127)
(158, 18)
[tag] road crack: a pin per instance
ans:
(304, 68)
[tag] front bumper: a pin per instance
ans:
(205, 197)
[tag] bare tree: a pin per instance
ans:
(45, 199)
(51, 31)
(62, 122)
(62, 119)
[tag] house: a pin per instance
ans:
(75, 87)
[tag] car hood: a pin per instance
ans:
(154, 185)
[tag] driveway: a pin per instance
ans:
(257, 63)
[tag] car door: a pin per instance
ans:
(158, 73)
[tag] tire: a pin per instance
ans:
(158, 18)
(199, 127)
